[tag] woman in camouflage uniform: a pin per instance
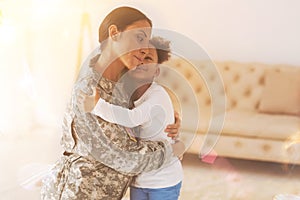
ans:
(101, 158)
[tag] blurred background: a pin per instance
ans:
(43, 42)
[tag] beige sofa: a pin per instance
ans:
(261, 115)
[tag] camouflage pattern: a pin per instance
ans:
(100, 158)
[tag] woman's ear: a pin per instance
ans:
(113, 31)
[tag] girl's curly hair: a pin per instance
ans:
(162, 48)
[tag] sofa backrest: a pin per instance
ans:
(242, 87)
(243, 82)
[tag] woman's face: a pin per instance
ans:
(132, 44)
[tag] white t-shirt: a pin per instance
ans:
(152, 113)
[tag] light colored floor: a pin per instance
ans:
(227, 179)
(233, 179)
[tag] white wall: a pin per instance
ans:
(242, 30)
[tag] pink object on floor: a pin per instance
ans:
(209, 158)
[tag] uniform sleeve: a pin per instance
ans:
(119, 152)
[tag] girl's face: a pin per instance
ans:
(132, 44)
(148, 69)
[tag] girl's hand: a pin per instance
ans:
(173, 129)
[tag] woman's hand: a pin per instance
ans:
(173, 129)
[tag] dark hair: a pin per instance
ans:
(162, 47)
(121, 17)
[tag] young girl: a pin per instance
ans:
(152, 111)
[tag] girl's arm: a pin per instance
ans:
(124, 116)
(89, 104)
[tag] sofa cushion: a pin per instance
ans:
(282, 92)
(260, 125)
